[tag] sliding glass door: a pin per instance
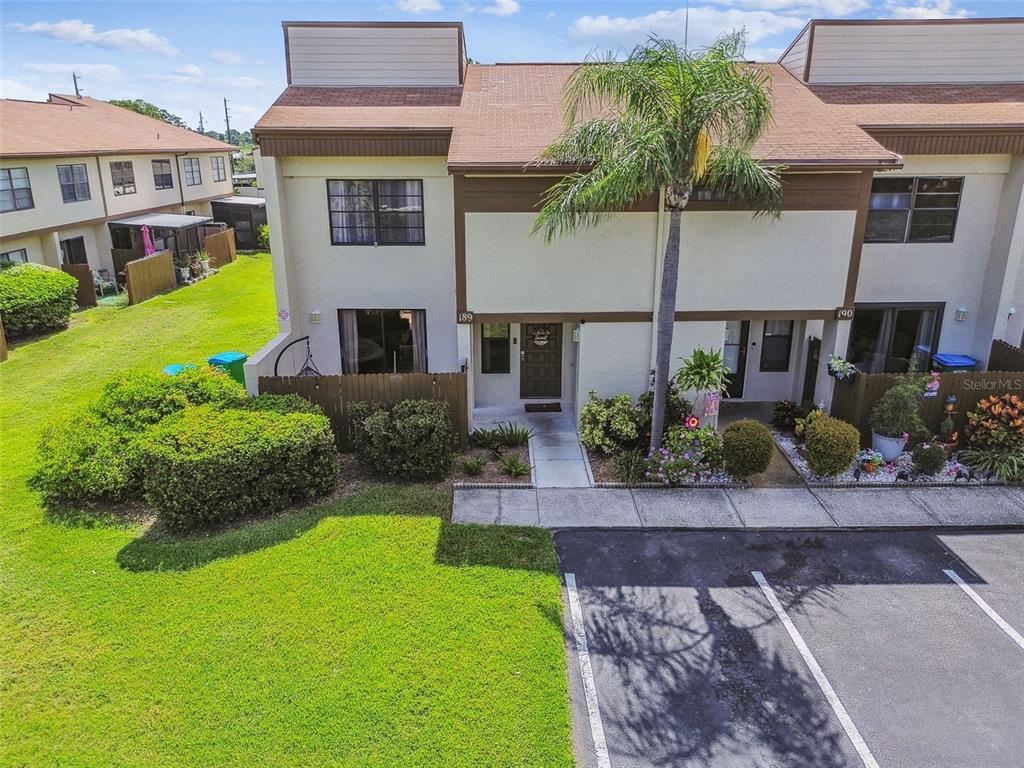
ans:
(383, 340)
(893, 338)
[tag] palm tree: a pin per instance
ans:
(664, 120)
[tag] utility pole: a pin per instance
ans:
(74, 77)
(201, 122)
(227, 122)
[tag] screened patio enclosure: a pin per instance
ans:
(182, 235)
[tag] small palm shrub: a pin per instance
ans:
(206, 466)
(411, 441)
(35, 298)
(609, 425)
(630, 466)
(929, 458)
(511, 435)
(473, 466)
(486, 438)
(514, 467)
(832, 446)
(747, 447)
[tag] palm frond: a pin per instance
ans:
(732, 171)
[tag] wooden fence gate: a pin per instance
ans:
(335, 393)
(86, 296)
(221, 248)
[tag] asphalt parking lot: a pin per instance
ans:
(771, 649)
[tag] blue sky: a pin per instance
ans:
(187, 56)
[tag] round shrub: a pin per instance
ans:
(929, 458)
(205, 466)
(86, 459)
(413, 440)
(289, 403)
(35, 298)
(832, 445)
(137, 399)
(747, 446)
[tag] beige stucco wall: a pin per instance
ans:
(208, 187)
(327, 278)
(32, 245)
(50, 210)
(498, 388)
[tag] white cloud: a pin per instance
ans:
(12, 89)
(105, 72)
(705, 24)
(925, 9)
(189, 70)
(418, 6)
(501, 8)
(78, 32)
(224, 56)
(804, 8)
(248, 83)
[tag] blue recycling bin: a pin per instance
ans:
(232, 364)
(949, 363)
(175, 368)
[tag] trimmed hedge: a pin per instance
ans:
(205, 466)
(35, 298)
(747, 446)
(832, 446)
(413, 440)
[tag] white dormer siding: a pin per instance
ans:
(384, 55)
(909, 52)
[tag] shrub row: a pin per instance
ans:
(412, 440)
(35, 298)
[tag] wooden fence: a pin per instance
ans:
(150, 276)
(334, 394)
(86, 284)
(221, 248)
(3, 342)
(1005, 357)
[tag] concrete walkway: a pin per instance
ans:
(741, 508)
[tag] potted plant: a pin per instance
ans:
(204, 261)
(894, 418)
(706, 374)
(841, 369)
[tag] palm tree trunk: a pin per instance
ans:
(666, 324)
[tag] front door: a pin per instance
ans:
(74, 250)
(540, 360)
(737, 333)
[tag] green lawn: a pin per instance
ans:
(365, 632)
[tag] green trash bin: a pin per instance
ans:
(232, 364)
(947, 363)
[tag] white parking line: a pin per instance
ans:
(589, 688)
(999, 620)
(819, 676)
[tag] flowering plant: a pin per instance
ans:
(691, 422)
(840, 368)
(870, 460)
(686, 456)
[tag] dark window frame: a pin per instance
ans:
(161, 179)
(764, 345)
(124, 184)
(219, 172)
(192, 170)
(376, 214)
(5, 256)
(74, 184)
(894, 306)
(913, 207)
(485, 358)
(13, 190)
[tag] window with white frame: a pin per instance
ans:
(913, 209)
(219, 169)
(193, 176)
(74, 182)
(17, 256)
(15, 190)
(122, 176)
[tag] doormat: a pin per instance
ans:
(543, 407)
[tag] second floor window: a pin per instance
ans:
(17, 256)
(15, 190)
(122, 176)
(219, 172)
(375, 212)
(913, 210)
(193, 176)
(162, 178)
(74, 182)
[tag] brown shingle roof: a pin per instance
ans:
(67, 125)
(510, 112)
(927, 105)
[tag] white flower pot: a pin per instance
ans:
(889, 447)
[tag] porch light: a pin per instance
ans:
(960, 314)
(314, 317)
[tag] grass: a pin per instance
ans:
(364, 632)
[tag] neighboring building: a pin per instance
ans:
(402, 184)
(70, 166)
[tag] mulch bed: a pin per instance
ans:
(603, 468)
(492, 471)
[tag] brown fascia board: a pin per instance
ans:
(113, 152)
(1007, 128)
(794, 166)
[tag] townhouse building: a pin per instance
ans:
(72, 167)
(402, 183)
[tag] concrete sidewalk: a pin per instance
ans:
(696, 508)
